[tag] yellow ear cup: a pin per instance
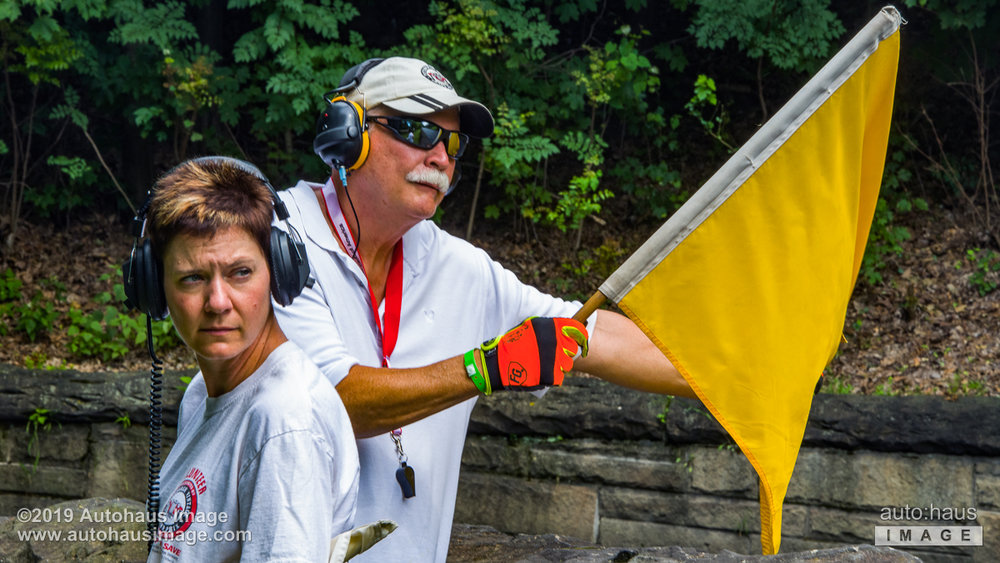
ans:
(361, 114)
(365, 144)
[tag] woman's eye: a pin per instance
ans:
(191, 278)
(243, 272)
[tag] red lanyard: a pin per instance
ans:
(393, 284)
(393, 304)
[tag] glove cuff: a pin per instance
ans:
(491, 365)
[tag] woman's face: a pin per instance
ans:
(218, 292)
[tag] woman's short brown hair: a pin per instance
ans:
(202, 196)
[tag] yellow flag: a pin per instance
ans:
(746, 287)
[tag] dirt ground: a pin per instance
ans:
(925, 329)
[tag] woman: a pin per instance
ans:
(265, 465)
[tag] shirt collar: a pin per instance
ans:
(415, 243)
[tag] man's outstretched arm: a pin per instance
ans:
(622, 354)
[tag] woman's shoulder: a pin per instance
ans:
(294, 393)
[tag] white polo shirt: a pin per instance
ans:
(454, 298)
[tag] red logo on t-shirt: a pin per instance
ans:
(182, 505)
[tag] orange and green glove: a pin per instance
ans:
(535, 354)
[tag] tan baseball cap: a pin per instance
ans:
(413, 87)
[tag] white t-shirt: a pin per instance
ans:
(267, 471)
(454, 298)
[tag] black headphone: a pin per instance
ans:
(142, 276)
(341, 131)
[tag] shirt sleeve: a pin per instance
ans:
(286, 499)
(311, 325)
(515, 301)
(309, 320)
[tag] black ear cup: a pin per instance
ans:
(142, 282)
(341, 135)
(289, 267)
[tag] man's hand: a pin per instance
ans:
(535, 354)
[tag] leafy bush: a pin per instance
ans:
(984, 263)
(886, 236)
(36, 317)
(10, 294)
(109, 333)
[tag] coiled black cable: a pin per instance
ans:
(155, 424)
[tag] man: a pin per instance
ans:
(400, 310)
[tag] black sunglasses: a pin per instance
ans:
(423, 134)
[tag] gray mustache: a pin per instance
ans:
(436, 178)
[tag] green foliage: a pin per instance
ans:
(124, 420)
(886, 389)
(985, 264)
(39, 419)
(886, 237)
(587, 267)
(883, 242)
(618, 74)
(73, 192)
(88, 333)
(687, 460)
(600, 261)
(295, 51)
(40, 360)
(504, 52)
(513, 153)
(964, 14)
(790, 34)
(656, 184)
(961, 386)
(10, 286)
(667, 402)
(108, 333)
(589, 104)
(836, 386)
(35, 317)
(190, 87)
(584, 194)
(46, 49)
(157, 23)
(10, 296)
(704, 107)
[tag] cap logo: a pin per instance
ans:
(432, 74)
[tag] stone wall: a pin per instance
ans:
(590, 461)
(617, 467)
(84, 452)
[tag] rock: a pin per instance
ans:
(74, 396)
(916, 424)
(591, 408)
(482, 543)
(586, 407)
